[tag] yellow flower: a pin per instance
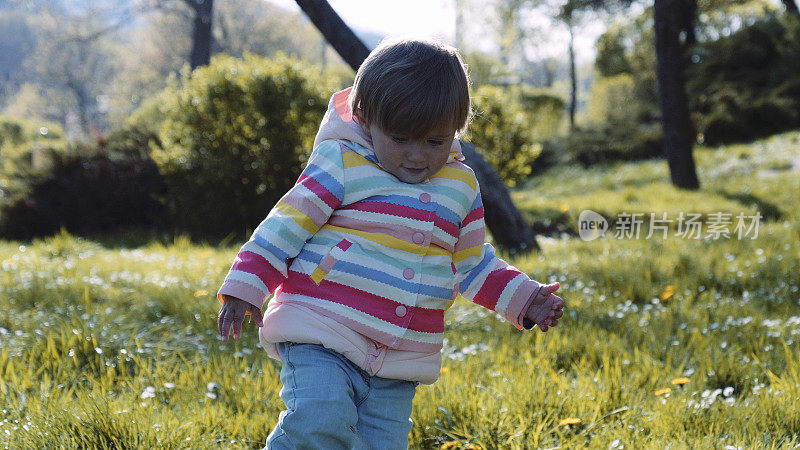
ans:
(473, 447)
(450, 444)
(663, 391)
(668, 292)
(680, 381)
(564, 208)
(569, 421)
(445, 369)
(201, 293)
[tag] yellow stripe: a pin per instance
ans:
(391, 241)
(452, 173)
(301, 219)
(453, 301)
(352, 159)
(318, 275)
(467, 253)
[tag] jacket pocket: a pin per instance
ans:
(329, 260)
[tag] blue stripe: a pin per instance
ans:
(377, 181)
(280, 254)
(308, 255)
(448, 215)
(377, 275)
(326, 180)
(280, 228)
(487, 258)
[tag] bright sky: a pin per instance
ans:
(435, 18)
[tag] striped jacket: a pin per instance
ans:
(382, 257)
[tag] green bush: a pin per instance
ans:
(590, 146)
(234, 138)
(503, 133)
(746, 85)
(26, 149)
(84, 192)
(617, 128)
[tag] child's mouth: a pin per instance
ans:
(415, 170)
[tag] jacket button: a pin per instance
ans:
(408, 273)
(418, 238)
(401, 311)
(425, 197)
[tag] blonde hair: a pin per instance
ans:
(413, 87)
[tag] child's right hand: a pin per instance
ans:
(232, 312)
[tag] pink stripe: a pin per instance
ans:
(307, 207)
(344, 244)
(243, 291)
(249, 262)
(497, 280)
(473, 215)
(446, 226)
(440, 243)
(327, 263)
(391, 209)
(384, 338)
(320, 191)
(422, 319)
(473, 238)
(397, 231)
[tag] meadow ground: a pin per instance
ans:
(107, 345)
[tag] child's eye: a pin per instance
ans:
(435, 142)
(399, 139)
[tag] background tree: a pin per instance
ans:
(73, 61)
(202, 15)
(674, 18)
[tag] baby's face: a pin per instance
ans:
(412, 161)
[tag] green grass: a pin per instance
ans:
(103, 346)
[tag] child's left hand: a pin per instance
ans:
(545, 311)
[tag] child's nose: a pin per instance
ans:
(416, 152)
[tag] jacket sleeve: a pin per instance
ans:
(485, 279)
(262, 263)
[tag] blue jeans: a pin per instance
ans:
(333, 404)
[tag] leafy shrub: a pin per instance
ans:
(616, 129)
(503, 133)
(234, 137)
(747, 85)
(26, 147)
(83, 194)
(590, 146)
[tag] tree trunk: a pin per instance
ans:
(509, 229)
(670, 61)
(505, 222)
(336, 32)
(791, 8)
(201, 35)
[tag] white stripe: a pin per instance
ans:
(508, 293)
(248, 278)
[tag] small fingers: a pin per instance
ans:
(238, 318)
(550, 288)
(258, 318)
(225, 320)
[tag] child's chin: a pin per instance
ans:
(412, 177)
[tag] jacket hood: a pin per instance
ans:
(339, 123)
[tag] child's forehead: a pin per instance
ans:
(435, 131)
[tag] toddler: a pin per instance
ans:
(382, 231)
